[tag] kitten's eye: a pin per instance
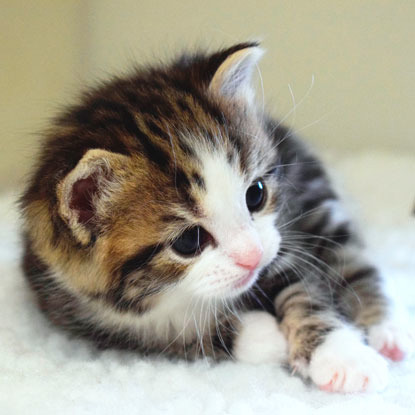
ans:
(255, 196)
(191, 241)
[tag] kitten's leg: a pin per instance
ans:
(252, 337)
(362, 300)
(321, 346)
(357, 285)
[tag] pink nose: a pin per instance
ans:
(248, 259)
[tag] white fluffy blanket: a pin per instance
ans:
(44, 372)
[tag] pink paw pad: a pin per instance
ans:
(394, 353)
(332, 387)
(329, 387)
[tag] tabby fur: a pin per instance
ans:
(122, 173)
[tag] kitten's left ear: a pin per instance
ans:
(232, 78)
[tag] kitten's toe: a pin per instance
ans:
(392, 340)
(344, 364)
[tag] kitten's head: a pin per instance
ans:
(160, 182)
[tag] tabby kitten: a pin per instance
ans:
(170, 215)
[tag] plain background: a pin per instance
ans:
(349, 66)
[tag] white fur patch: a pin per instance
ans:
(343, 363)
(260, 340)
(177, 316)
(215, 274)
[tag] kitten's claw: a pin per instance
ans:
(344, 364)
(392, 340)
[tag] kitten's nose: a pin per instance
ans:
(249, 258)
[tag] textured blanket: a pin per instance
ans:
(43, 371)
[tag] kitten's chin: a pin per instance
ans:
(243, 284)
(245, 281)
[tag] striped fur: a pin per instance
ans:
(139, 160)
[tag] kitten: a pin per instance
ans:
(167, 214)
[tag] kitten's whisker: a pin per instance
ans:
(255, 297)
(296, 131)
(296, 106)
(299, 274)
(258, 287)
(299, 217)
(182, 331)
(336, 273)
(210, 329)
(303, 242)
(262, 88)
(218, 331)
(301, 235)
(299, 163)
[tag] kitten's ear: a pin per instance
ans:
(85, 194)
(233, 76)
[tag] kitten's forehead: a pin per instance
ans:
(222, 199)
(224, 183)
(225, 163)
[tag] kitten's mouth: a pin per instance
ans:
(246, 281)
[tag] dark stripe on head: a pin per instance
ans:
(172, 218)
(156, 130)
(136, 263)
(187, 150)
(156, 107)
(199, 181)
(230, 155)
(186, 86)
(240, 150)
(236, 142)
(154, 153)
(122, 118)
(184, 106)
(182, 181)
(183, 185)
(140, 260)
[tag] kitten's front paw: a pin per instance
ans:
(342, 363)
(392, 340)
(259, 339)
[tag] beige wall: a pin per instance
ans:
(360, 53)
(40, 65)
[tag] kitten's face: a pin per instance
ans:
(191, 209)
(208, 235)
(237, 232)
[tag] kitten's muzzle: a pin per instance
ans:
(248, 258)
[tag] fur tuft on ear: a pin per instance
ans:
(233, 77)
(83, 192)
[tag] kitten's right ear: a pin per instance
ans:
(232, 78)
(85, 194)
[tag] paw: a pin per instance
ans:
(259, 339)
(392, 340)
(342, 363)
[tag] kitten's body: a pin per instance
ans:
(125, 180)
